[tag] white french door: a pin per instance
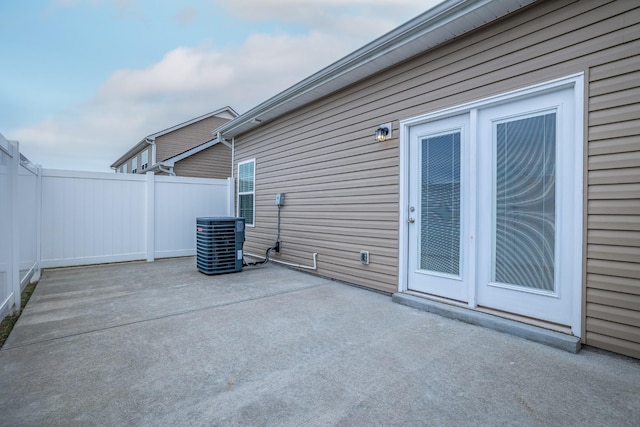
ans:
(525, 211)
(493, 217)
(438, 213)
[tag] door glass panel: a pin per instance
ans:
(440, 203)
(525, 202)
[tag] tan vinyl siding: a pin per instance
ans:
(187, 137)
(212, 162)
(329, 194)
(613, 235)
(342, 187)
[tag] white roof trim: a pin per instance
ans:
(219, 112)
(445, 21)
(171, 161)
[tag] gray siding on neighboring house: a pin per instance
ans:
(213, 162)
(185, 138)
(342, 187)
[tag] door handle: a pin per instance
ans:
(411, 220)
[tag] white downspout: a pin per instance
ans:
(233, 155)
(233, 182)
(167, 171)
(152, 142)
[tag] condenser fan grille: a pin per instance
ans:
(219, 244)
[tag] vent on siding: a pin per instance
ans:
(219, 244)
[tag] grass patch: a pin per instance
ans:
(8, 322)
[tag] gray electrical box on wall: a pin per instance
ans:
(279, 199)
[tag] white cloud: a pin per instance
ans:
(185, 83)
(186, 15)
(191, 81)
(183, 70)
(358, 18)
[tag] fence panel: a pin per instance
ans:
(6, 228)
(28, 220)
(55, 218)
(178, 202)
(92, 218)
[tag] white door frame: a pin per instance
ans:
(576, 82)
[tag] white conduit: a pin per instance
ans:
(308, 267)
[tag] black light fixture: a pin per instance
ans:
(383, 132)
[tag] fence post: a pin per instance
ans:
(36, 274)
(151, 216)
(14, 276)
(231, 196)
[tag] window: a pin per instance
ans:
(524, 206)
(440, 207)
(144, 160)
(246, 191)
(134, 165)
(124, 168)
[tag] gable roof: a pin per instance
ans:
(225, 112)
(443, 22)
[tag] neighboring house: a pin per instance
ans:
(508, 184)
(187, 149)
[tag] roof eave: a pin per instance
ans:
(445, 21)
(231, 111)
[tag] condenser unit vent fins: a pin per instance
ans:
(219, 243)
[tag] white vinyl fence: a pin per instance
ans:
(55, 218)
(9, 248)
(91, 218)
(28, 213)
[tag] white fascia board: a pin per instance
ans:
(225, 113)
(443, 22)
(171, 161)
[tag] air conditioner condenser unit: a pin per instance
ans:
(219, 243)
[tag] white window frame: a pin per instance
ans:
(123, 168)
(144, 159)
(134, 165)
(253, 193)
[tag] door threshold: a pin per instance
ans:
(553, 335)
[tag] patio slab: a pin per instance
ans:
(162, 344)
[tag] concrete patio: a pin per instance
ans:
(162, 344)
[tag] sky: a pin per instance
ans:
(82, 81)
